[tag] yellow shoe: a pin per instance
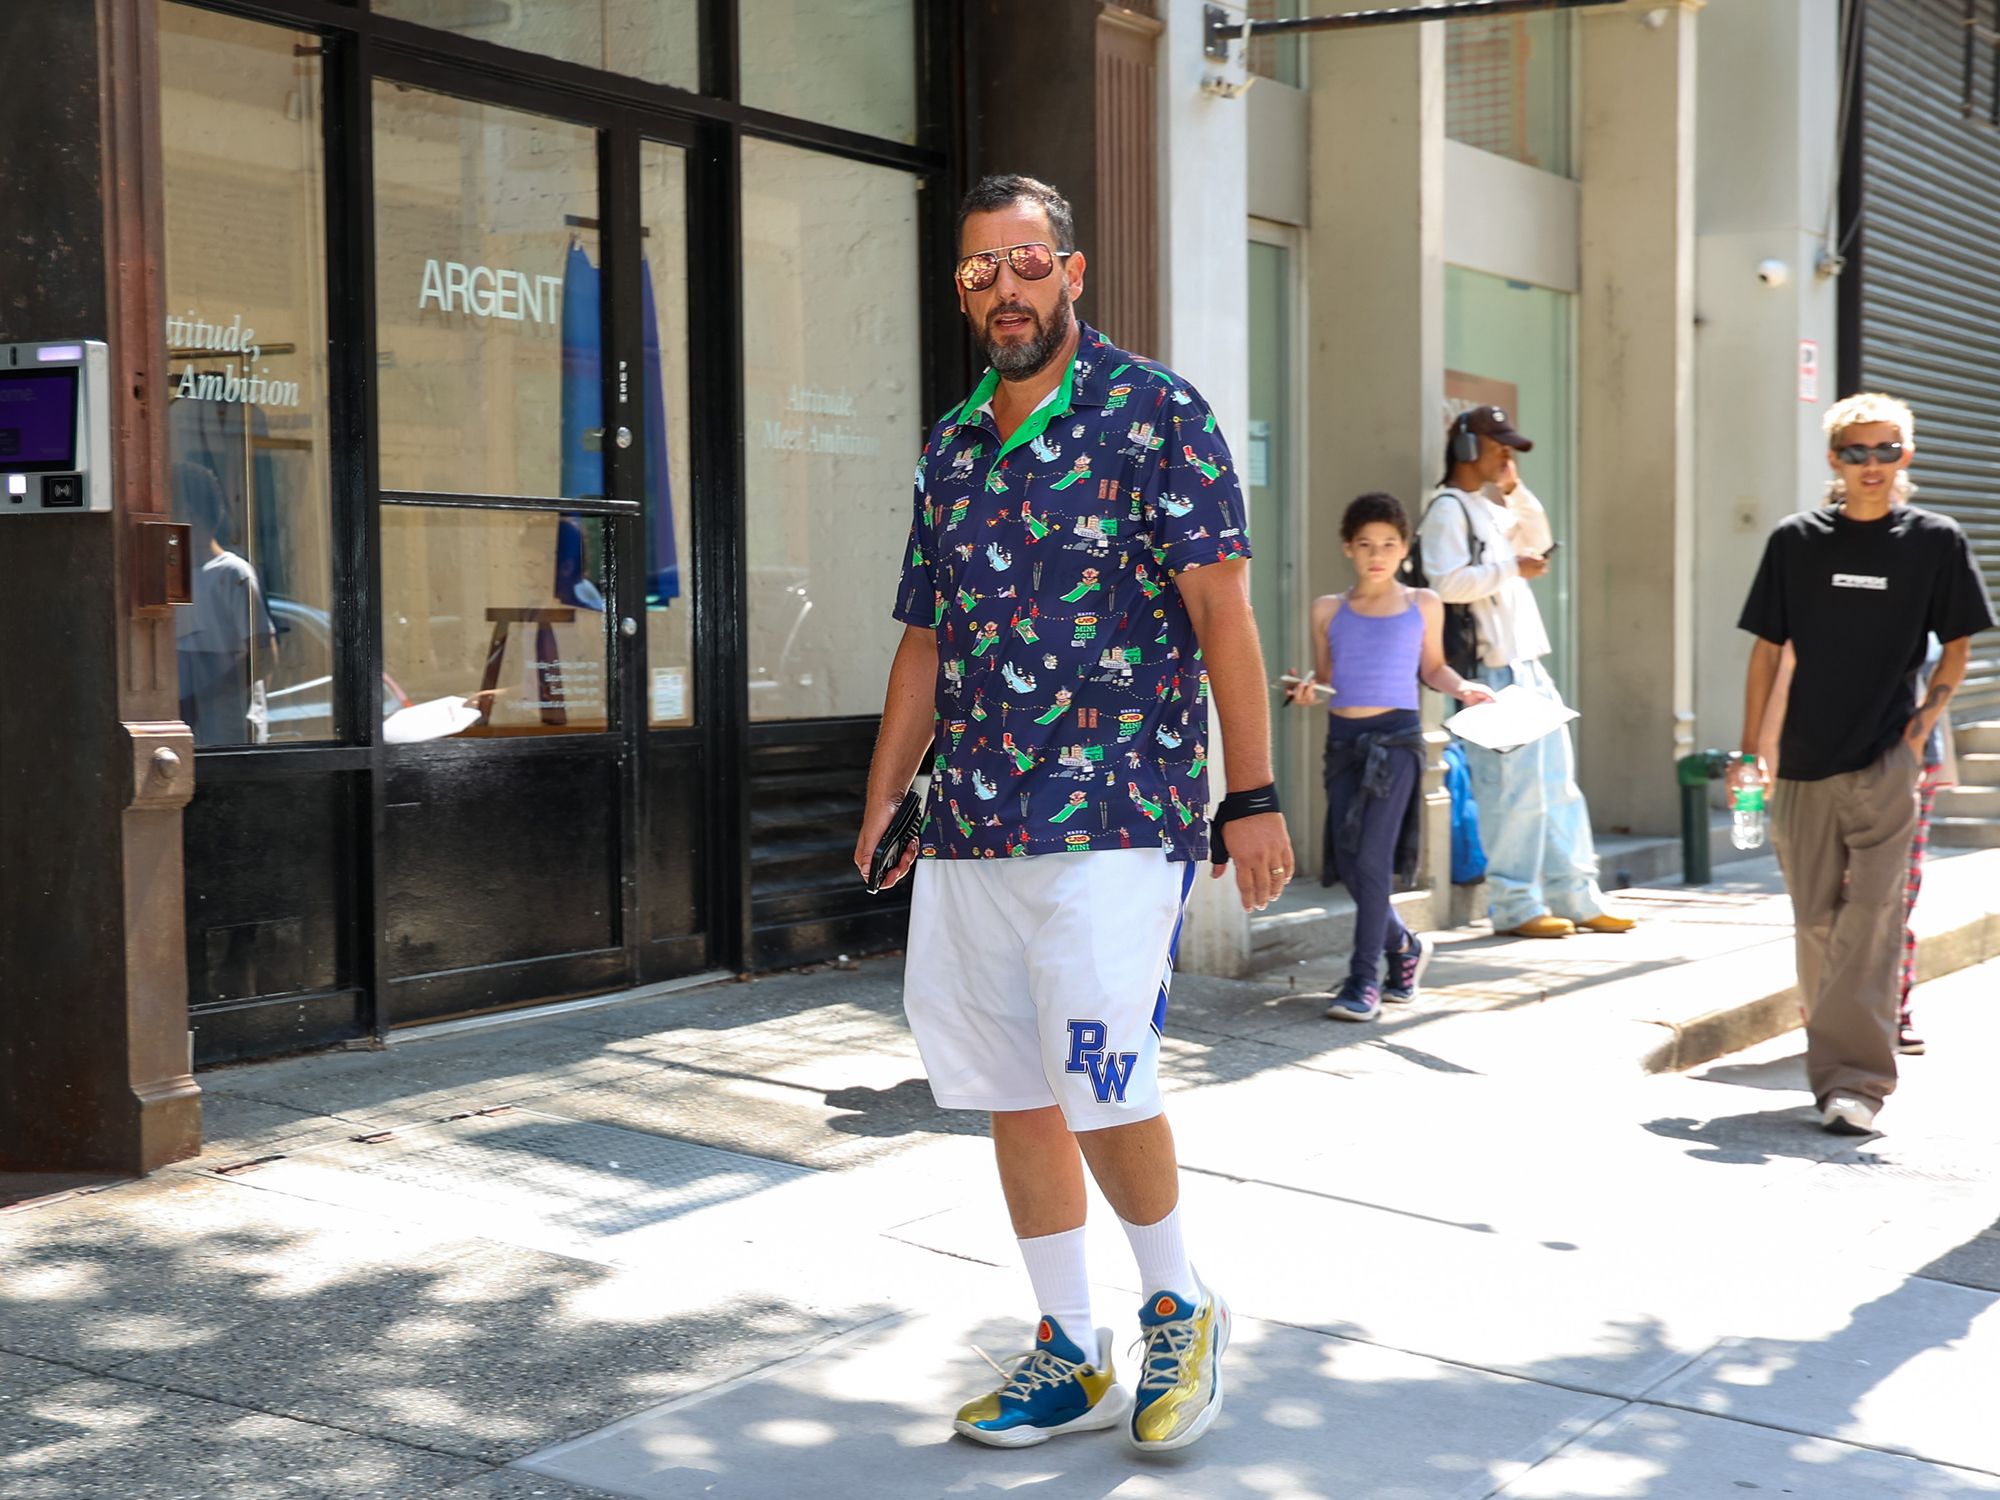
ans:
(1605, 922)
(1180, 1377)
(1544, 926)
(1056, 1387)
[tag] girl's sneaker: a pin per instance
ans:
(1355, 1002)
(1404, 970)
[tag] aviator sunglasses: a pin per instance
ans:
(1860, 453)
(1031, 262)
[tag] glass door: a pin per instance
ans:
(1267, 462)
(682, 827)
(534, 602)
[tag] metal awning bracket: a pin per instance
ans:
(1220, 27)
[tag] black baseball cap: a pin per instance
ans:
(1493, 422)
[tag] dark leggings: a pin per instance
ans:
(1368, 871)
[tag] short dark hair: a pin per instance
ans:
(1365, 510)
(1003, 190)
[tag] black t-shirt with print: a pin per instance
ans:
(1857, 600)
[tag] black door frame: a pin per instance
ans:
(359, 48)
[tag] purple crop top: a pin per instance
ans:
(1375, 658)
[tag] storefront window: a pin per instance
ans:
(246, 335)
(1507, 88)
(851, 63)
(831, 404)
(486, 299)
(670, 694)
(651, 39)
(1512, 345)
(492, 622)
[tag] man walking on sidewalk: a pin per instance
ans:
(1077, 584)
(1484, 536)
(1854, 587)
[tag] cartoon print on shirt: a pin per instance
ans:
(1209, 472)
(1078, 470)
(1088, 584)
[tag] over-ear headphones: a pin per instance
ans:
(1464, 443)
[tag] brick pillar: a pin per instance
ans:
(94, 768)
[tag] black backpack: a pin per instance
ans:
(1461, 631)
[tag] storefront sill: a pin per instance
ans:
(436, 1029)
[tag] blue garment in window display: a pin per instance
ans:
(663, 568)
(582, 377)
(583, 415)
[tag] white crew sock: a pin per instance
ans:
(1163, 1260)
(1057, 1271)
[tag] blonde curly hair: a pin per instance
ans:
(1868, 406)
(1856, 410)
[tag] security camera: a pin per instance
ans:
(1773, 272)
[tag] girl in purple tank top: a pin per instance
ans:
(1372, 646)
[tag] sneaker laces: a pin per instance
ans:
(1161, 1349)
(1025, 1373)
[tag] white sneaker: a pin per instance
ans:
(1845, 1114)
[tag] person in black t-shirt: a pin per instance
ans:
(1855, 588)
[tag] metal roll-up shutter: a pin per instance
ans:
(1930, 270)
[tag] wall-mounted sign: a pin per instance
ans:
(490, 292)
(1808, 370)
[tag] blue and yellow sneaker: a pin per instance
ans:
(1180, 1379)
(1052, 1389)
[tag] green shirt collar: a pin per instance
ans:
(990, 382)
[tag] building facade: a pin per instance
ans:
(539, 383)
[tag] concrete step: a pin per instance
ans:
(1966, 833)
(1978, 768)
(1968, 802)
(1978, 738)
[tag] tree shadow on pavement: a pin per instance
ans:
(204, 1335)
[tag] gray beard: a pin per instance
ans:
(1025, 361)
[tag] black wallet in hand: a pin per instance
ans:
(902, 831)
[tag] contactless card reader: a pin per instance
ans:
(55, 427)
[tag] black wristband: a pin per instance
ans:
(1263, 799)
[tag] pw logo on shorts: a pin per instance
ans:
(1109, 1071)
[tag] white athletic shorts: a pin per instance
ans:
(1042, 981)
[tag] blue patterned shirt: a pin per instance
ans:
(1072, 707)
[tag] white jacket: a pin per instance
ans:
(1503, 607)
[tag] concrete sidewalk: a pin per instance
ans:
(721, 1242)
(1708, 971)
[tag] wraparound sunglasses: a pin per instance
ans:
(1860, 453)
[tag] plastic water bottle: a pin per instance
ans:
(1746, 806)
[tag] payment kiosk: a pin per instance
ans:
(55, 421)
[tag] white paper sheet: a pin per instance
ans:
(1514, 718)
(436, 720)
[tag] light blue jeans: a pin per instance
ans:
(1532, 819)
